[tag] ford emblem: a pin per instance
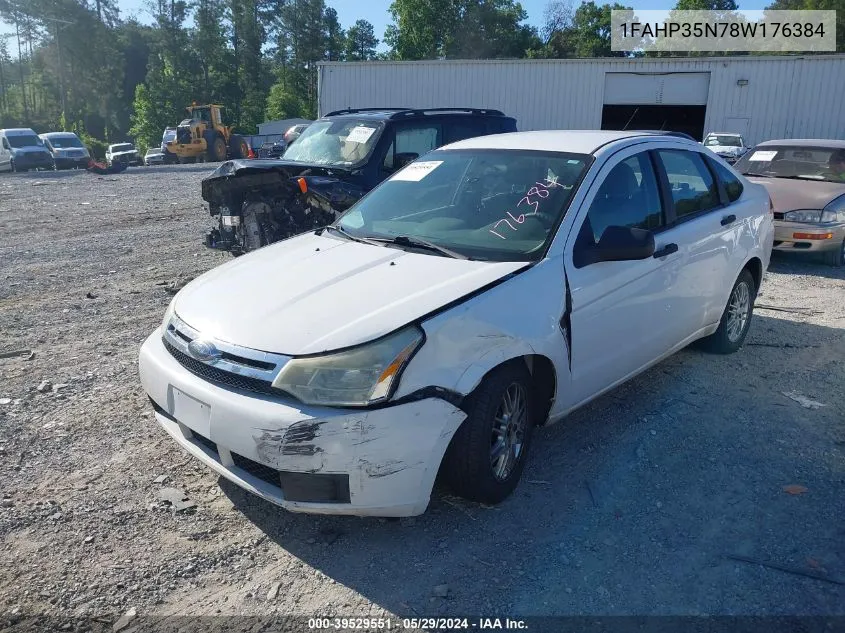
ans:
(204, 351)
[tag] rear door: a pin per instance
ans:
(706, 232)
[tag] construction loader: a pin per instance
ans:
(203, 137)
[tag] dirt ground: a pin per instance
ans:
(645, 502)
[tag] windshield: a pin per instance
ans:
(169, 135)
(23, 140)
(794, 161)
(723, 140)
(62, 142)
(126, 147)
(343, 142)
(497, 205)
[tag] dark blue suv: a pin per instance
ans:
(338, 159)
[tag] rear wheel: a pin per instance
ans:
(487, 454)
(216, 147)
(736, 319)
(836, 257)
(238, 147)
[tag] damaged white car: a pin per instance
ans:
(492, 286)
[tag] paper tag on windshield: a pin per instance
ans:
(417, 171)
(360, 134)
(763, 156)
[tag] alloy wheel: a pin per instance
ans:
(508, 436)
(738, 310)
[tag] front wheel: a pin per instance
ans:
(12, 167)
(836, 257)
(487, 454)
(736, 319)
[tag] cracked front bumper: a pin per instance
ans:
(390, 455)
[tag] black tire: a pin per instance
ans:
(238, 147)
(836, 257)
(216, 147)
(12, 167)
(469, 466)
(726, 339)
(252, 226)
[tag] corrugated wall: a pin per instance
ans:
(785, 96)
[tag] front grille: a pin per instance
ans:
(262, 472)
(213, 374)
(778, 216)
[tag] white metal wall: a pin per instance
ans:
(784, 97)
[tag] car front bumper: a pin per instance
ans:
(386, 458)
(33, 160)
(825, 237)
(75, 162)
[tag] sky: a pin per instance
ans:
(375, 11)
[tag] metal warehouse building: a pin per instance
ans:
(760, 97)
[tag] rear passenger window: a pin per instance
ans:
(627, 197)
(459, 130)
(693, 186)
(733, 187)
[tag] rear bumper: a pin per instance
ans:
(786, 239)
(387, 459)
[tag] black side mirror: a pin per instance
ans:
(619, 244)
(5, 144)
(402, 159)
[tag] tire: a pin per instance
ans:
(732, 330)
(237, 147)
(252, 229)
(12, 167)
(470, 468)
(836, 258)
(216, 151)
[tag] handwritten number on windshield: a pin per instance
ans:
(543, 193)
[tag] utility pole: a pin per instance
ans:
(60, 24)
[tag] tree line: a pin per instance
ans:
(78, 65)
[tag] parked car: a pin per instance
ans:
(668, 133)
(124, 152)
(67, 149)
(806, 181)
(154, 156)
(272, 149)
(21, 150)
(494, 285)
(730, 147)
(336, 161)
(168, 135)
(294, 132)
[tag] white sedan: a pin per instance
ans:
(492, 286)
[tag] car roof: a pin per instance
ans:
(18, 131)
(382, 114)
(806, 142)
(58, 135)
(575, 141)
(724, 134)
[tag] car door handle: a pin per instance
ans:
(728, 219)
(666, 250)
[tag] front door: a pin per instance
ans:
(623, 314)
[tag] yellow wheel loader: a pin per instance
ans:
(203, 137)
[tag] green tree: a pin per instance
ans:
(335, 37)
(818, 5)
(361, 41)
(283, 103)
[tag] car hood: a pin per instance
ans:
(788, 194)
(725, 149)
(316, 293)
(123, 152)
(30, 150)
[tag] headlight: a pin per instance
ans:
(357, 377)
(804, 215)
(835, 211)
(168, 314)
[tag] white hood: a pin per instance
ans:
(313, 293)
(731, 150)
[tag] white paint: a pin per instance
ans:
(786, 97)
(763, 156)
(312, 294)
(417, 171)
(360, 134)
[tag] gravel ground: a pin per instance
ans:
(634, 505)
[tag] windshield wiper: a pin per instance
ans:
(748, 173)
(415, 242)
(348, 235)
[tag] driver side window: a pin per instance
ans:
(629, 197)
(412, 139)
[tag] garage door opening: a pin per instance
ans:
(677, 118)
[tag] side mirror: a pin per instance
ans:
(402, 159)
(618, 244)
(6, 144)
